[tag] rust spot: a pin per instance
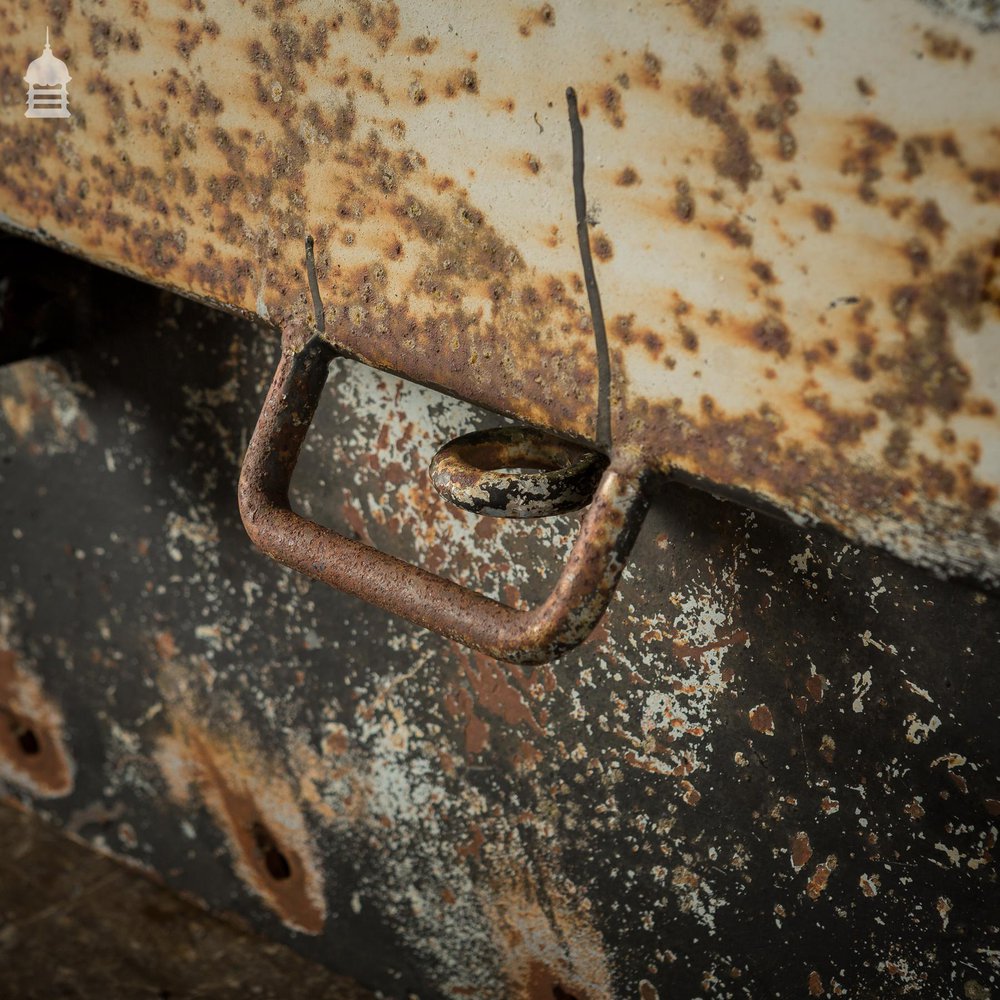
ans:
(705, 11)
(987, 183)
(650, 70)
(761, 720)
(771, 334)
(878, 132)
(801, 850)
(912, 159)
(816, 686)
(550, 950)
(929, 217)
(782, 81)
(691, 794)
(820, 878)
(748, 25)
(33, 753)
(601, 246)
(918, 255)
(734, 159)
(928, 371)
(775, 115)
(688, 337)
(815, 985)
(610, 100)
(841, 427)
(256, 810)
(684, 206)
(946, 47)
(823, 217)
(734, 231)
(469, 81)
(424, 45)
(865, 89)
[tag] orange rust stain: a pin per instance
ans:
(609, 99)
(685, 652)
(33, 752)
(550, 952)
(527, 757)
(992, 806)
(544, 16)
(335, 742)
(815, 984)
(816, 685)
(869, 885)
(258, 813)
(771, 334)
(492, 690)
(472, 848)
(705, 12)
(823, 217)
(820, 877)
(748, 25)
(691, 794)
(946, 47)
(734, 158)
(761, 720)
(459, 702)
(166, 648)
(801, 850)
(602, 246)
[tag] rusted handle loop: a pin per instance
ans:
(564, 620)
(474, 473)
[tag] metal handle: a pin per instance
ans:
(564, 620)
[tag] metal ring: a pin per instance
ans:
(516, 472)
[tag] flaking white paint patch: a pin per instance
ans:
(919, 731)
(862, 685)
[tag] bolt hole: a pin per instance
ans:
(274, 861)
(28, 742)
(558, 993)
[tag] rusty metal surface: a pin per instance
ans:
(568, 615)
(794, 217)
(772, 773)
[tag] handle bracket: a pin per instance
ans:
(580, 596)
